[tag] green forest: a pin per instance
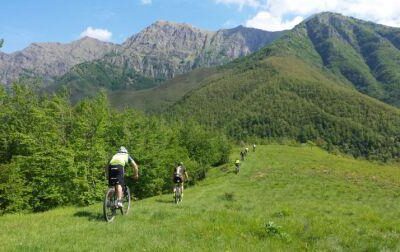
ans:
(283, 97)
(53, 153)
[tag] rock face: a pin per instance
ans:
(50, 59)
(166, 49)
(160, 51)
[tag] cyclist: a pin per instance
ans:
(246, 150)
(254, 147)
(242, 155)
(116, 172)
(179, 173)
(237, 164)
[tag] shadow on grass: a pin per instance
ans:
(89, 215)
(165, 201)
(228, 169)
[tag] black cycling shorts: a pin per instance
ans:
(178, 179)
(115, 175)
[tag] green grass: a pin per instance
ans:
(159, 98)
(321, 201)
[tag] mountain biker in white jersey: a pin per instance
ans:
(116, 172)
(179, 173)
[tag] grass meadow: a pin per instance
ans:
(285, 198)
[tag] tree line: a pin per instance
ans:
(53, 153)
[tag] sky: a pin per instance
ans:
(26, 21)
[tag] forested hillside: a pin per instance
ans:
(364, 54)
(266, 96)
(52, 153)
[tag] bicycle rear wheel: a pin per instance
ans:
(178, 195)
(127, 201)
(109, 209)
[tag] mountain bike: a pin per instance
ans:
(177, 193)
(237, 168)
(110, 207)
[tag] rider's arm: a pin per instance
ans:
(135, 169)
(186, 175)
(134, 166)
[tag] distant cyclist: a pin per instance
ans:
(242, 154)
(246, 150)
(237, 165)
(254, 147)
(116, 169)
(180, 176)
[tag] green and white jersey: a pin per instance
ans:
(121, 159)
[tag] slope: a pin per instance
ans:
(49, 60)
(160, 52)
(352, 52)
(283, 91)
(365, 54)
(321, 201)
(87, 79)
(158, 99)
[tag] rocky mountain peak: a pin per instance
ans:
(51, 58)
(165, 35)
(162, 50)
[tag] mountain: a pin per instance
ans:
(166, 49)
(364, 54)
(359, 54)
(47, 60)
(287, 91)
(160, 52)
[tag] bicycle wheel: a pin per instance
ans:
(109, 209)
(127, 201)
(178, 194)
(176, 200)
(237, 169)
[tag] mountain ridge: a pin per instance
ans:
(362, 53)
(159, 51)
(289, 90)
(50, 59)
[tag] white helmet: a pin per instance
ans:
(122, 149)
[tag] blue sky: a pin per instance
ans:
(26, 21)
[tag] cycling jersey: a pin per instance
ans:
(179, 171)
(121, 159)
(116, 168)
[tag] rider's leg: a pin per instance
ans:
(118, 189)
(182, 189)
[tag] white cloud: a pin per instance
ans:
(284, 14)
(241, 3)
(146, 2)
(266, 21)
(100, 34)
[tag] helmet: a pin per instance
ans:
(122, 149)
(180, 163)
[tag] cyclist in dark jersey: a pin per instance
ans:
(180, 176)
(116, 171)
